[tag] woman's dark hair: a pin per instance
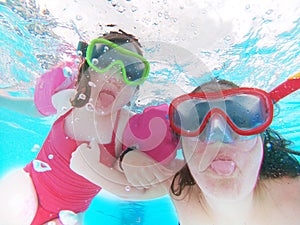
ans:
(278, 160)
(83, 88)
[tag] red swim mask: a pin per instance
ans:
(248, 111)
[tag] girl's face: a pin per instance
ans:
(109, 92)
(222, 169)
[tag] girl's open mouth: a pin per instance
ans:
(105, 98)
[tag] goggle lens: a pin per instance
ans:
(102, 55)
(246, 113)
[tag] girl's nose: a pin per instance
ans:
(217, 130)
(115, 75)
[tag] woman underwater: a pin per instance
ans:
(238, 170)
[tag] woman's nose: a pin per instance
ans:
(217, 130)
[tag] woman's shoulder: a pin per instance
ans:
(281, 198)
(287, 183)
(283, 191)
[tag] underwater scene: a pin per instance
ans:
(251, 43)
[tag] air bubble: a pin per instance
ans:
(91, 84)
(78, 17)
(89, 107)
(269, 11)
(68, 217)
(114, 3)
(95, 61)
(167, 16)
(40, 166)
(127, 188)
(134, 9)
(77, 61)
(35, 148)
(51, 223)
(67, 71)
(106, 48)
(121, 9)
(79, 53)
(82, 96)
(227, 38)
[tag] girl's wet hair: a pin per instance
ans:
(83, 88)
(278, 160)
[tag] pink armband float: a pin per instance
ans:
(51, 82)
(150, 131)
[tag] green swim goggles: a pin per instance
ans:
(102, 55)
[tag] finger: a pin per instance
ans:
(83, 148)
(82, 145)
(162, 177)
(163, 173)
(153, 181)
(139, 181)
(166, 170)
(94, 145)
(148, 179)
(135, 182)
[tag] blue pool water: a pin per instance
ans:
(263, 55)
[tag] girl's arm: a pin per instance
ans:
(26, 106)
(85, 162)
(55, 81)
(21, 105)
(61, 101)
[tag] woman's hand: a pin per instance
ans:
(142, 170)
(85, 162)
(85, 157)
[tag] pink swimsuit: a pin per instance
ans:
(60, 188)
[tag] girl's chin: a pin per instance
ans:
(103, 111)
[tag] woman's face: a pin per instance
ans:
(224, 164)
(226, 171)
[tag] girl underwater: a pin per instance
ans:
(108, 77)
